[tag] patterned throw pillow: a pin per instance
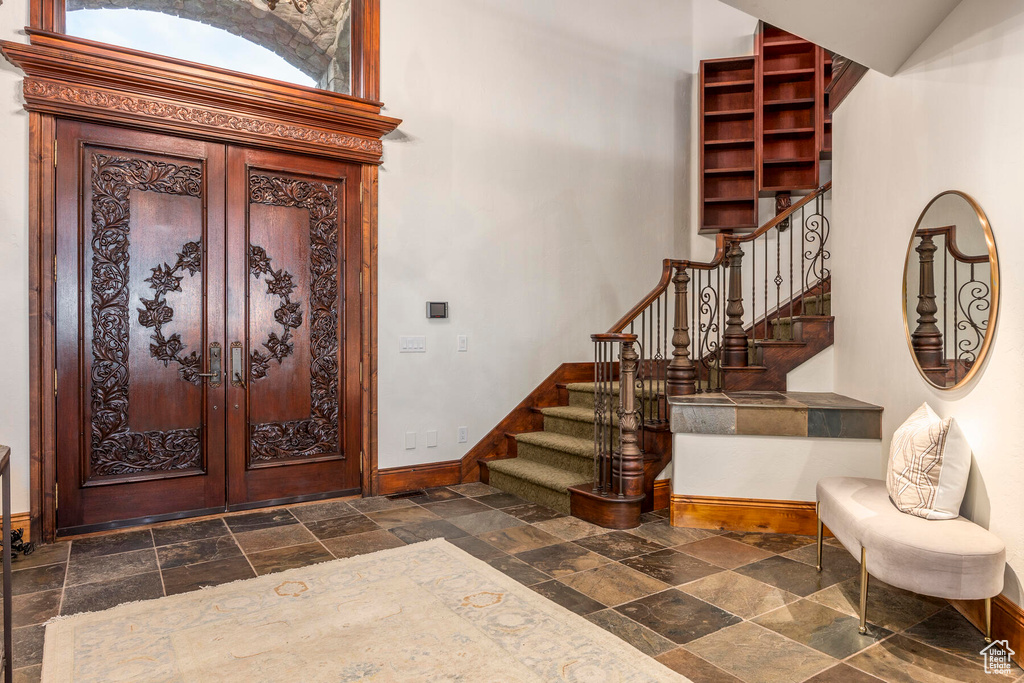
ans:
(929, 462)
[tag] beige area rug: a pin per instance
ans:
(424, 612)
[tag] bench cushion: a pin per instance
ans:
(951, 558)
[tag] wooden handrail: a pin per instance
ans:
(949, 232)
(722, 243)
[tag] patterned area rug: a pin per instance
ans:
(424, 612)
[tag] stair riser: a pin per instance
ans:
(574, 428)
(530, 491)
(559, 459)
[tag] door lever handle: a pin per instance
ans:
(238, 381)
(214, 373)
(237, 378)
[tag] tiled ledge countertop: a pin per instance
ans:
(773, 413)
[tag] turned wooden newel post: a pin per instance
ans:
(628, 468)
(734, 340)
(681, 375)
(927, 338)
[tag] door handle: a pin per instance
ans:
(237, 378)
(214, 373)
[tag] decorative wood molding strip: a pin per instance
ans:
(744, 514)
(523, 418)
(402, 479)
(662, 493)
(1007, 621)
(846, 76)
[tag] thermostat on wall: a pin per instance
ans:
(437, 309)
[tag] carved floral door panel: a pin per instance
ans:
(174, 255)
(139, 270)
(293, 245)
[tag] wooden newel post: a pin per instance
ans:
(681, 375)
(628, 468)
(927, 338)
(734, 339)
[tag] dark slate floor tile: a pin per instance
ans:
(567, 597)
(435, 495)
(456, 508)
(678, 616)
(674, 568)
(843, 673)
(618, 545)
(693, 667)
(263, 519)
(531, 513)
(29, 674)
(53, 553)
(389, 519)
(341, 526)
(477, 548)
(92, 569)
(194, 552)
(562, 559)
(501, 500)
(637, 635)
(379, 503)
(758, 655)
(35, 608)
(518, 570)
(724, 552)
(110, 544)
(27, 645)
(774, 543)
(92, 597)
(482, 522)
(190, 531)
(45, 578)
(790, 575)
(279, 559)
(950, 632)
(474, 489)
(424, 531)
(195, 576)
(312, 512)
(361, 544)
(824, 629)
(269, 538)
(832, 558)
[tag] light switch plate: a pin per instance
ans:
(412, 344)
(431, 438)
(463, 343)
(410, 441)
(463, 434)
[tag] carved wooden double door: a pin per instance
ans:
(206, 356)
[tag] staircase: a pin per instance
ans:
(566, 451)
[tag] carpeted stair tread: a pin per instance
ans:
(539, 474)
(577, 413)
(583, 448)
(658, 386)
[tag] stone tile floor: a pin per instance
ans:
(715, 606)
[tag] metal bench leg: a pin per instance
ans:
(988, 620)
(817, 513)
(863, 590)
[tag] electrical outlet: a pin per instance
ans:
(410, 441)
(412, 344)
(463, 434)
(463, 343)
(431, 438)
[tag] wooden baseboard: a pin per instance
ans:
(401, 479)
(744, 514)
(22, 520)
(662, 493)
(1007, 621)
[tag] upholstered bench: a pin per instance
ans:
(949, 558)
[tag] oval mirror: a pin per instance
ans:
(950, 290)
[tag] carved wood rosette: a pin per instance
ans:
(116, 450)
(318, 434)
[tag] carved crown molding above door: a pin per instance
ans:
(85, 80)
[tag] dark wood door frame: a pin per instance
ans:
(83, 80)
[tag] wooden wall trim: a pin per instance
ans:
(523, 418)
(662, 493)
(22, 520)
(848, 75)
(368, 280)
(1007, 621)
(401, 479)
(744, 514)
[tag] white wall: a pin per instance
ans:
(539, 177)
(950, 119)
(14, 405)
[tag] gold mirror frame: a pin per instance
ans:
(993, 260)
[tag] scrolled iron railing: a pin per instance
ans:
(721, 311)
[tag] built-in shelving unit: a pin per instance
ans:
(727, 144)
